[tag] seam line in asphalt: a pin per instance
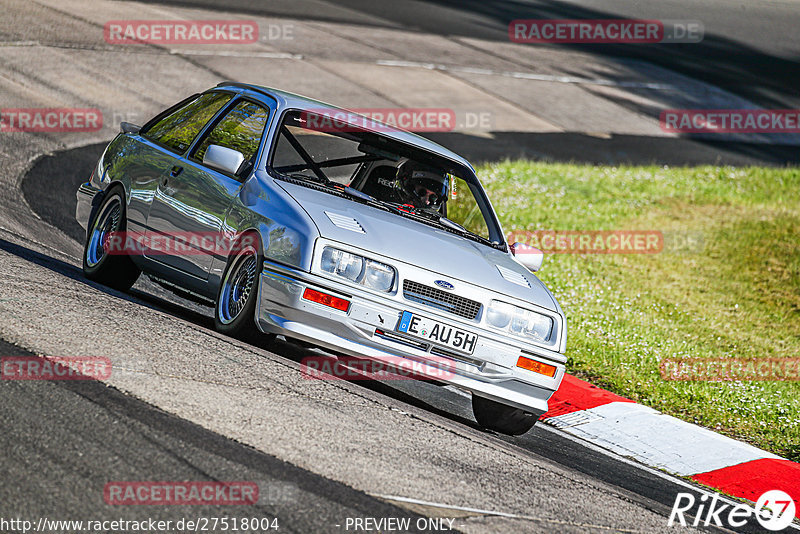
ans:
(525, 75)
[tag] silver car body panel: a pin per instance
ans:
(295, 223)
(451, 256)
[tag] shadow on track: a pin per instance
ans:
(614, 149)
(98, 435)
(187, 311)
(654, 492)
(136, 295)
(166, 434)
(764, 78)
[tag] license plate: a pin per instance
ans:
(437, 332)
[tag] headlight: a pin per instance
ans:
(499, 314)
(369, 273)
(342, 263)
(519, 321)
(378, 276)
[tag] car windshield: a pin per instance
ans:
(375, 169)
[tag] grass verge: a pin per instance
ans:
(732, 292)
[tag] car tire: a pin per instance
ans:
(113, 270)
(234, 310)
(493, 415)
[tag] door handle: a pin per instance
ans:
(163, 181)
(175, 171)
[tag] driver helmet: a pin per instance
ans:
(425, 187)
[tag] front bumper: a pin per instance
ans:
(367, 330)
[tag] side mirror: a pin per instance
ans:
(528, 256)
(129, 128)
(223, 159)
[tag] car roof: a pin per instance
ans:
(287, 100)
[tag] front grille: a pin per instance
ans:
(441, 300)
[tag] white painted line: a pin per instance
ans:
(498, 514)
(235, 53)
(20, 43)
(646, 468)
(657, 439)
(527, 75)
(448, 506)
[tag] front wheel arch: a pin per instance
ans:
(237, 294)
(500, 417)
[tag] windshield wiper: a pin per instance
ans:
(405, 210)
(355, 193)
(444, 221)
(417, 213)
(315, 179)
(346, 189)
(340, 189)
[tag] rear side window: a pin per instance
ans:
(178, 129)
(240, 129)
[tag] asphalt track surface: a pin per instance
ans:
(749, 49)
(108, 425)
(63, 441)
(752, 49)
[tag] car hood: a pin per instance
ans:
(394, 236)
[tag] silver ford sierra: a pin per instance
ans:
(296, 218)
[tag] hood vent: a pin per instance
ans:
(514, 277)
(345, 222)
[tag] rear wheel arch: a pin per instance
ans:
(113, 270)
(118, 184)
